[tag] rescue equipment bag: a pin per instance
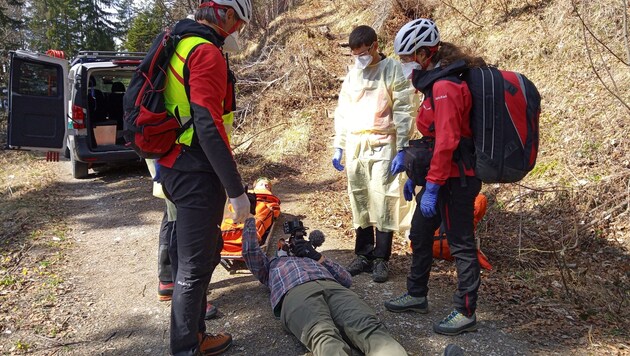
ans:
(148, 128)
(418, 159)
(441, 250)
(504, 119)
(440, 243)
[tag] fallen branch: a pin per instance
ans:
(269, 84)
(624, 5)
(58, 343)
(604, 215)
(619, 196)
(257, 134)
(461, 13)
(546, 190)
(592, 64)
(586, 28)
(21, 255)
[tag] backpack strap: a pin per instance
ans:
(190, 122)
(423, 79)
(187, 75)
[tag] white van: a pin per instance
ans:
(71, 108)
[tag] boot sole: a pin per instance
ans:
(355, 273)
(164, 298)
(211, 315)
(415, 310)
(453, 333)
(217, 352)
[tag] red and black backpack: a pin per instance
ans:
(148, 128)
(504, 119)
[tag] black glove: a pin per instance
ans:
(303, 248)
(252, 202)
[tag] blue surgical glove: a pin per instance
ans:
(398, 164)
(410, 190)
(157, 171)
(336, 161)
(429, 200)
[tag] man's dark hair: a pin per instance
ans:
(362, 36)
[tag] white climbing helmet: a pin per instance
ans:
(415, 34)
(243, 8)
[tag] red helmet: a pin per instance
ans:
(243, 8)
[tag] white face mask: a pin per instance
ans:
(407, 68)
(362, 62)
(231, 44)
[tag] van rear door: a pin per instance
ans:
(37, 102)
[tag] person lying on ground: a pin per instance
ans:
(310, 295)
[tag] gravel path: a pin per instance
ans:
(114, 310)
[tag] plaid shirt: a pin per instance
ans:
(281, 274)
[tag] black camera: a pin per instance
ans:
(296, 229)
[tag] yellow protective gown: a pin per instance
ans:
(373, 121)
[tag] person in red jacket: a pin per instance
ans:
(451, 186)
(200, 168)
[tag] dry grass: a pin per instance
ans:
(32, 247)
(559, 242)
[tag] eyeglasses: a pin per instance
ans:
(364, 52)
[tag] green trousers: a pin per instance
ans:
(326, 316)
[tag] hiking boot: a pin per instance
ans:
(165, 291)
(407, 302)
(453, 350)
(210, 344)
(358, 265)
(211, 311)
(380, 271)
(455, 323)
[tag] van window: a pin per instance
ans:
(38, 79)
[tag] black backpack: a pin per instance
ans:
(148, 128)
(504, 122)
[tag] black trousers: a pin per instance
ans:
(195, 251)
(456, 211)
(167, 229)
(373, 245)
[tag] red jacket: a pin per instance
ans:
(448, 121)
(210, 149)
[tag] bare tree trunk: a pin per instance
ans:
(624, 6)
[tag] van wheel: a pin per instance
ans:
(79, 169)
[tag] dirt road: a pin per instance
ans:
(111, 302)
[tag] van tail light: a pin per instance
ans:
(78, 117)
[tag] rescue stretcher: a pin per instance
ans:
(267, 212)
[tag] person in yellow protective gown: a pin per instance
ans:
(373, 124)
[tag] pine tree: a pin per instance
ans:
(125, 13)
(97, 28)
(149, 22)
(11, 14)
